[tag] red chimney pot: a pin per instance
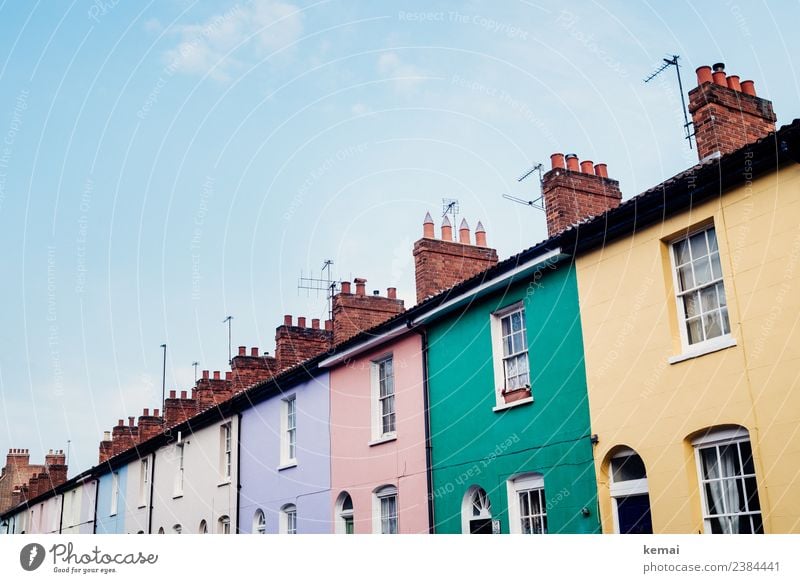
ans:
(557, 161)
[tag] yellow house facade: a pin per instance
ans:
(692, 344)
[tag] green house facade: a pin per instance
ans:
(511, 445)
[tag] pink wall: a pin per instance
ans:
(357, 467)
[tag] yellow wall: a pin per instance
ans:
(637, 399)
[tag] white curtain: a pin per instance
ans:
(724, 493)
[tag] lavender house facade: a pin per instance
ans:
(285, 461)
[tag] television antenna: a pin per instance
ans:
(537, 203)
(323, 283)
(450, 207)
(673, 62)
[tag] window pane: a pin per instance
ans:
(708, 297)
(712, 325)
(721, 294)
(751, 491)
(681, 252)
(716, 268)
(685, 278)
(524, 505)
(630, 467)
(691, 304)
(508, 346)
(726, 327)
(709, 460)
(712, 239)
(698, 245)
(702, 271)
(694, 330)
(747, 457)
(506, 322)
(729, 458)
(516, 322)
(714, 498)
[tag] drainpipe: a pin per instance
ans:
(61, 517)
(152, 484)
(238, 469)
(96, 497)
(427, 418)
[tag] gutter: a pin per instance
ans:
(486, 287)
(61, 517)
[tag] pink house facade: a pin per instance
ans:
(379, 472)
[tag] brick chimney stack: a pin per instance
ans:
(440, 264)
(294, 344)
(354, 313)
(211, 391)
(55, 462)
(149, 425)
(574, 191)
(249, 370)
(727, 114)
(179, 409)
(106, 447)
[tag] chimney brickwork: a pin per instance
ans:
(573, 192)
(726, 113)
(439, 264)
(356, 312)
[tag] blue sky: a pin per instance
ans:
(166, 164)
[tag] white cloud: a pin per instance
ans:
(406, 77)
(251, 31)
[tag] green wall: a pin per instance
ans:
(474, 445)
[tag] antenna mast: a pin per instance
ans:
(324, 282)
(537, 203)
(228, 320)
(673, 62)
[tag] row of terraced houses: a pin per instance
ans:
(638, 371)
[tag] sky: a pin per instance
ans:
(166, 164)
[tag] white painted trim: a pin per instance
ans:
(513, 404)
(385, 439)
(515, 485)
(466, 508)
(483, 288)
(285, 460)
(720, 436)
(703, 348)
(629, 488)
(378, 494)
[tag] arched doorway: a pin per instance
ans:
(476, 512)
(630, 495)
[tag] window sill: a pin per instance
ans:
(287, 465)
(226, 482)
(513, 404)
(384, 439)
(708, 347)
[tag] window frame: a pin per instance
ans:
(499, 357)
(226, 452)
(625, 488)
(259, 522)
(715, 439)
(114, 503)
(516, 485)
(377, 402)
(725, 339)
(179, 474)
(288, 439)
(344, 516)
(288, 519)
(144, 480)
(224, 524)
(382, 494)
